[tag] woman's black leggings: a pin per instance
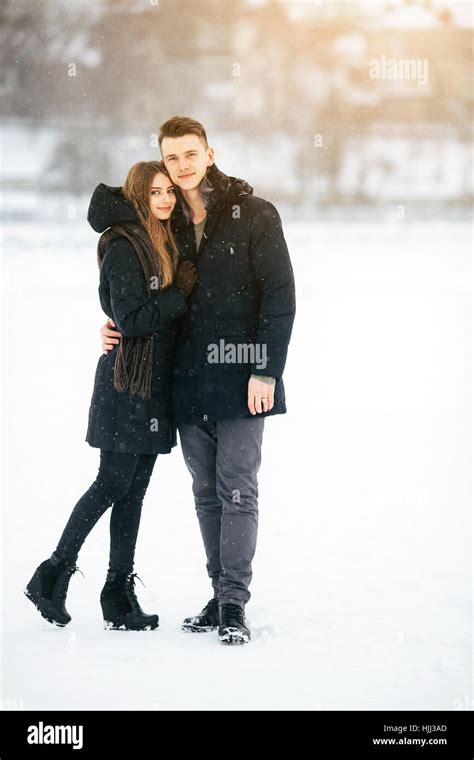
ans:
(121, 484)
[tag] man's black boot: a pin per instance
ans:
(207, 620)
(232, 628)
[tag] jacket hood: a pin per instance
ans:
(108, 206)
(217, 188)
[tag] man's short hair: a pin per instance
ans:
(178, 126)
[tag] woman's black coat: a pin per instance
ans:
(119, 421)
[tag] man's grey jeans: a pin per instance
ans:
(224, 458)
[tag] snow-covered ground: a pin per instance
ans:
(361, 597)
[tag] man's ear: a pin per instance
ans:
(210, 155)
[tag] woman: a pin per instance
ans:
(143, 289)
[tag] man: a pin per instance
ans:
(229, 362)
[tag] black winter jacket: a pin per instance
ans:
(119, 421)
(245, 295)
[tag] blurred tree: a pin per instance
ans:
(167, 48)
(45, 59)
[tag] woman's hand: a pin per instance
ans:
(110, 338)
(186, 277)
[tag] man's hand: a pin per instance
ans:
(260, 396)
(110, 338)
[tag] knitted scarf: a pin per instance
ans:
(134, 359)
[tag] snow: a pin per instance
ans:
(362, 579)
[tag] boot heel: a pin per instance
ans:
(112, 621)
(33, 589)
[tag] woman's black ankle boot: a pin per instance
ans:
(48, 588)
(120, 606)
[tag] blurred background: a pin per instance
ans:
(298, 96)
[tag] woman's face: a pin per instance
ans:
(162, 196)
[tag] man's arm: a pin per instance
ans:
(136, 313)
(274, 273)
(110, 337)
(184, 282)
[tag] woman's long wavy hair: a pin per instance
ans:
(137, 189)
(158, 254)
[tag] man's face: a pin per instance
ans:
(186, 159)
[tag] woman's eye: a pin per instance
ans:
(171, 191)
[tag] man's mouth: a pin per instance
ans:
(185, 176)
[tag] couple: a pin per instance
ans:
(189, 259)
